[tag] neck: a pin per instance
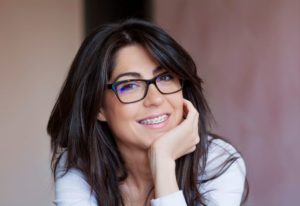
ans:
(138, 168)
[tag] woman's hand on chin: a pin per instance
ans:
(177, 142)
(181, 140)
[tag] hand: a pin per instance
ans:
(166, 149)
(182, 139)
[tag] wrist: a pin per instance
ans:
(163, 172)
(160, 152)
(160, 160)
(165, 177)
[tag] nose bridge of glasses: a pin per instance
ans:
(152, 81)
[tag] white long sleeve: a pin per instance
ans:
(173, 199)
(225, 190)
(228, 188)
(72, 189)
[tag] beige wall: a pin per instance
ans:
(248, 55)
(38, 40)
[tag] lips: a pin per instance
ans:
(154, 119)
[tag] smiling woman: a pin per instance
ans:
(141, 104)
(130, 126)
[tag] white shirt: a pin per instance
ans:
(226, 190)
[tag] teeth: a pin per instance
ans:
(155, 120)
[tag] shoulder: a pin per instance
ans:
(224, 175)
(220, 152)
(71, 187)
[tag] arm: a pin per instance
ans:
(166, 188)
(228, 188)
(163, 153)
(71, 189)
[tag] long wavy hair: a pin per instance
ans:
(90, 145)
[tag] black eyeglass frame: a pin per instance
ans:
(114, 85)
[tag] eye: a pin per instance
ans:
(165, 77)
(127, 87)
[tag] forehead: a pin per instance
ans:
(134, 58)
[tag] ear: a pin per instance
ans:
(101, 116)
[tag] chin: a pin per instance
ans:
(150, 140)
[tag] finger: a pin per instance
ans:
(192, 115)
(190, 110)
(185, 109)
(192, 149)
(196, 140)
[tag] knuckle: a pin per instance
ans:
(192, 149)
(196, 140)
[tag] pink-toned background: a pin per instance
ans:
(247, 53)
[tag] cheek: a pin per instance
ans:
(116, 110)
(176, 101)
(122, 123)
(120, 116)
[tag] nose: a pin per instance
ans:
(153, 97)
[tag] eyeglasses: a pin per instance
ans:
(134, 90)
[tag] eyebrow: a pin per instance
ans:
(136, 74)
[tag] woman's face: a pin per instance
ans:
(130, 123)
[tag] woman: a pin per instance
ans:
(130, 126)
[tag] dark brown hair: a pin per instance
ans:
(90, 145)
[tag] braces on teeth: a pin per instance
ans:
(155, 120)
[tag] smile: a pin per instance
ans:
(156, 120)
